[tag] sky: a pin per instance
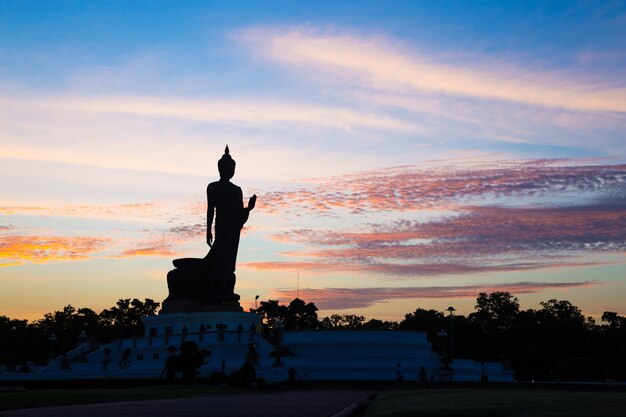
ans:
(405, 154)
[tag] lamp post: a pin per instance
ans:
(451, 310)
(14, 338)
(53, 339)
(82, 338)
(442, 337)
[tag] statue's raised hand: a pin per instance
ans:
(252, 202)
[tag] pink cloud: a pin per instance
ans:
(166, 243)
(490, 228)
(186, 232)
(347, 298)
(415, 269)
(477, 239)
(412, 188)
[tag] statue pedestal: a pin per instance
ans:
(173, 323)
(194, 305)
(195, 287)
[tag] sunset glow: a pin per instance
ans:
(404, 154)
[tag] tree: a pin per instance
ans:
(58, 321)
(301, 316)
(298, 315)
(69, 322)
(611, 343)
(431, 321)
(421, 319)
(13, 339)
(498, 310)
(271, 313)
(565, 330)
(615, 320)
(67, 325)
(342, 321)
(375, 324)
(562, 311)
(492, 321)
(124, 319)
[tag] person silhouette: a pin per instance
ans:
(225, 204)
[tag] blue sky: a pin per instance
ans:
(408, 153)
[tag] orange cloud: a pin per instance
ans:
(117, 210)
(44, 249)
(20, 209)
(158, 250)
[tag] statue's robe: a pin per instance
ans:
(227, 200)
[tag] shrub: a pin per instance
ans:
(581, 369)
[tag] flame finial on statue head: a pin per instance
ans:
(226, 165)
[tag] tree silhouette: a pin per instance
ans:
(298, 315)
(554, 341)
(301, 315)
(124, 319)
(345, 321)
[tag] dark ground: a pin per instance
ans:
(309, 403)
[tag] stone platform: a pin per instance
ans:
(174, 323)
(315, 355)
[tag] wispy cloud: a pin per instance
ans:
(155, 133)
(406, 270)
(482, 227)
(131, 210)
(187, 232)
(415, 188)
(15, 250)
(160, 250)
(473, 95)
(477, 239)
(216, 110)
(167, 243)
(385, 65)
(490, 229)
(347, 298)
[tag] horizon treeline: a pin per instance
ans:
(554, 342)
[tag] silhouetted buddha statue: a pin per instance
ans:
(225, 199)
(208, 283)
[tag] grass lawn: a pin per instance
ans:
(51, 397)
(498, 403)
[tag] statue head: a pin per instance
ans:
(226, 165)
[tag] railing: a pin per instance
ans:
(176, 339)
(71, 356)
